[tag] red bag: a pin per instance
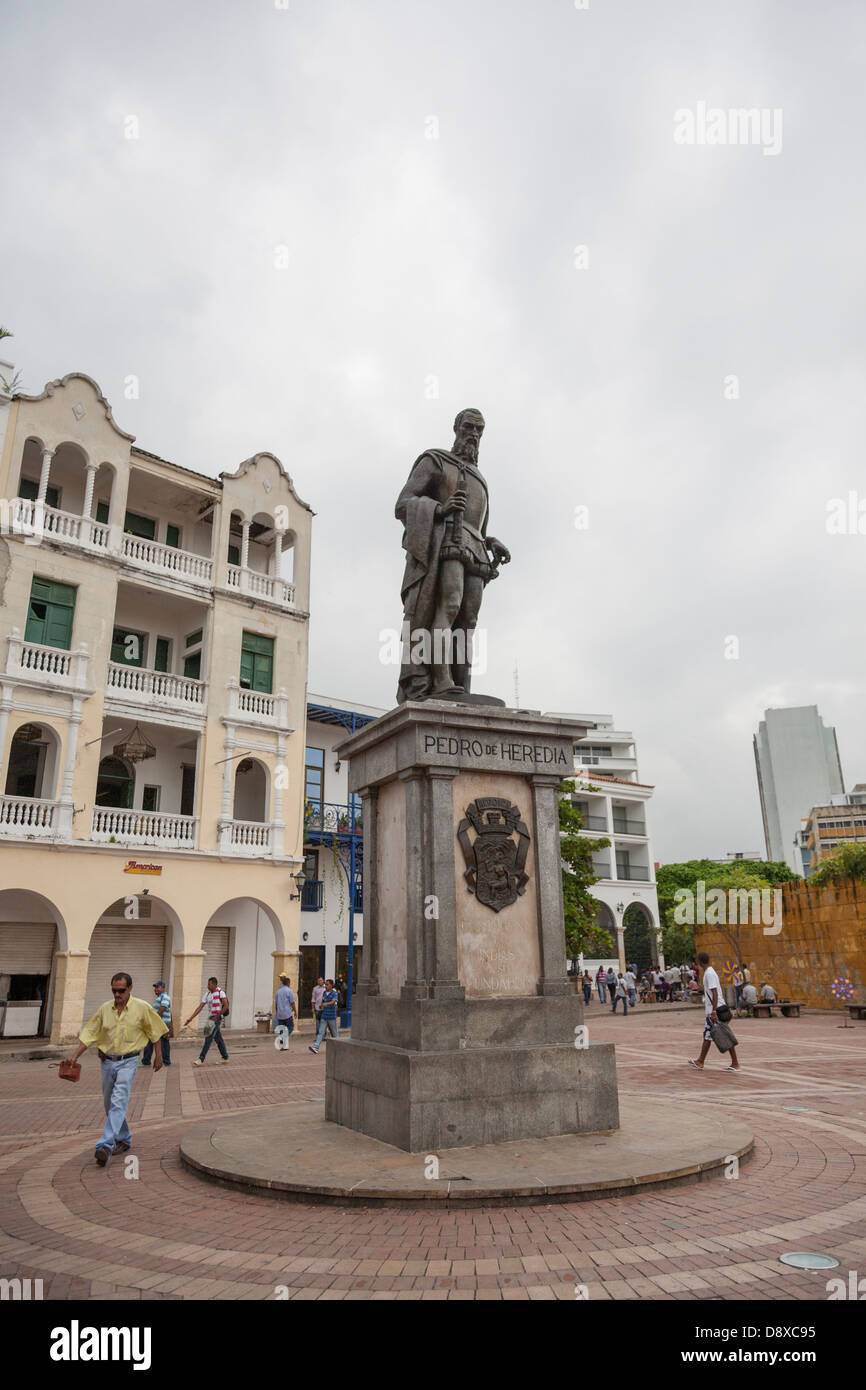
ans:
(70, 1071)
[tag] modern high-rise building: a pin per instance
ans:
(798, 766)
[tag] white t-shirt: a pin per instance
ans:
(629, 980)
(711, 982)
(214, 1002)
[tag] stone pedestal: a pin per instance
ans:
(464, 1024)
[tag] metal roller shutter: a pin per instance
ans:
(215, 944)
(27, 948)
(136, 948)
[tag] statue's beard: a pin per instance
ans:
(466, 449)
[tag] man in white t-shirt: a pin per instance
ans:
(630, 984)
(216, 1002)
(713, 998)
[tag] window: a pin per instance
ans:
(234, 555)
(194, 638)
(162, 661)
(314, 783)
(150, 799)
(128, 647)
(192, 667)
(144, 526)
(257, 663)
(50, 614)
(102, 513)
(172, 536)
(29, 488)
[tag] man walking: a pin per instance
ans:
(285, 1007)
(162, 1004)
(601, 984)
(327, 1016)
(620, 994)
(120, 1030)
(713, 998)
(631, 984)
(318, 991)
(217, 1005)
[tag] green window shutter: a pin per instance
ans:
(36, 615)
(257, 662)
(172, 537)
(163, 654)
(143, 526)
(102, 513)
(50, 614)
(192, 667)
(58, 627)
(234, 555)
(119, 653)
(29, 489)
(193, 638)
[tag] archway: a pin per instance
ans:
(239, 943)
(115, 784)
(639, 936)
(33, 762)
(32, 931)
(251, 791)
(137, 934)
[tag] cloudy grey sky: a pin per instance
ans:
(416, 263)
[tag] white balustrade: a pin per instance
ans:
(262, 585)
(138, 683)
(246, 837)
(166, 559)
(26, 817)
(258, 705)
(52, 665)
(160, 830)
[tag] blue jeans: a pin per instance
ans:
(587, 993)
(166, 1052)
(116, 1085)
(326, 1025)
(602, 993)
(631, 997)
(217, 1037)
(620, 999)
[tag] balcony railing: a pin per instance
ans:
(593, 822)
(628, 827)
(252, 837)
(160, 830)
(268, 586)
(166, 559)
(257, 705)
(627, 873)
(50, 664)
(330, 818)
(28, 817)
(38, 519)
(312, 895)
(156, 687)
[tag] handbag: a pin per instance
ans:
(69, 1071)
(722, 1036)
(723, 1013)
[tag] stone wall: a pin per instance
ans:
(823, 935)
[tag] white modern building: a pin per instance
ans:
(153, 660)
(614, 804)
(332, 897)
(798, 766)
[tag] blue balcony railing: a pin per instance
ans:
(330, 818)
(312, 895)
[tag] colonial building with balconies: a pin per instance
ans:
(614, 805)
(153, 661)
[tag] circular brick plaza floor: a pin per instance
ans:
(148, 1229)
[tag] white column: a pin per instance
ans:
(278, 553)
(88, 490)
(227, 773)
(47, 456)
(245, 552)
(71, 749)
(278, 825)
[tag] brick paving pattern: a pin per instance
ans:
(96, 1233)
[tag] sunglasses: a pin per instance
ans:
(119, 991)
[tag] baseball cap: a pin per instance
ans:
(159, 984)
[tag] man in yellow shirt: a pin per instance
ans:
(120, 1030)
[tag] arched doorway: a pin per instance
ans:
(32, 931)
(32, 769)
(639, 937)
(251, 791)
(115, 784)
(239, 943)
(138, 934)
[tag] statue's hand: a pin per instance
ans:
(501, 554)
(456, 503)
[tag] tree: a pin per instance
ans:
(743, 874)
(9, 387)
(582, 931)
(847, 862)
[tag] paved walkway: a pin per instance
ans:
(96, 1233)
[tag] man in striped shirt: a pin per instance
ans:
(162, 1005)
